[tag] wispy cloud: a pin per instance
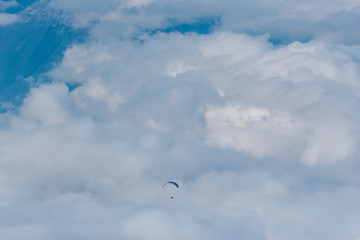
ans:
(4, 5)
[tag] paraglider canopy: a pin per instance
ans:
(173, 183)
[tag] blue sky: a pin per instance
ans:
(251, 106)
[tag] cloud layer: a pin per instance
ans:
(257, 120)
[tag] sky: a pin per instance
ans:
(251, 106)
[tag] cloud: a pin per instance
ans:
(313, 19)
(7, 19)
(4, 5)
(250, 93)
(252, 205)
(48, 105)
(262, 137)
(253, 129)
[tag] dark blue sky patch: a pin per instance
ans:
(200, 26)
(277, 38)
(72, 85)
(285, 41)
(30, 48)
(22, 4)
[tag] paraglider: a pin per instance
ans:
(171, 183)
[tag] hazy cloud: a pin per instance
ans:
(7, 19)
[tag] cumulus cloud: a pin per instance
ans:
(261, 136)
(250, 93)
(47, 105)
(252, 129)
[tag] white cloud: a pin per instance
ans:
(311, 62)
(94, 89)
(252, 205)
(253, 129)
(47, 105)
(330, 141)
(7, 19)
(263, 139)
(262, 111)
